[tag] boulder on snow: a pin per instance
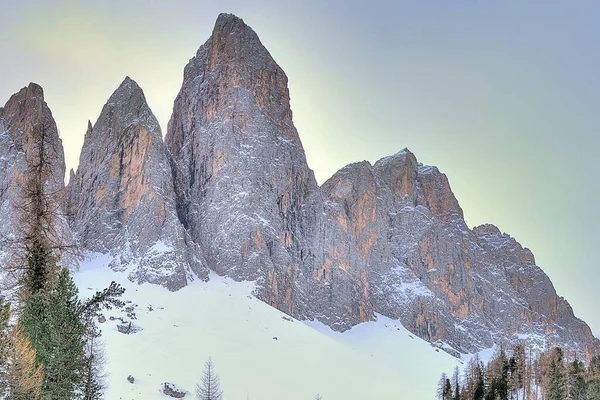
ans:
(172, 390)
(128, 328)
(130, 378)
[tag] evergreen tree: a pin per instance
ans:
(554, 389)
(441, 389)
(497, 377)
(592, 380)
(209, 387)
(575, 387)
(92, 379)
(56, 331)
(517, 371)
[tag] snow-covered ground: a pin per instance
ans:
(258, 352)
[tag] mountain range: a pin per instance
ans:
(229, 190)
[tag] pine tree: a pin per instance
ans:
(56, 330)
(517, 371)
(92, 379)
(209, 387)
(25, 375)
(592, 379)
(497, 377)
(555, 381)
(575, 387)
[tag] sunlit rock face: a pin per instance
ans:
(244, 189)
(467, 289)
(122, 199)
(25, 122)
(387, 238)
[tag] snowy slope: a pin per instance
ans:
(221, 319)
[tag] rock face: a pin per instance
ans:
(388, 238)
(25, 121)
(244, 189)
(462, 289)
(121, 199)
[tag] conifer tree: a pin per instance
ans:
(441, 389)
(92, 379)
(592, 380)
(497, 377)
(209, 387)
(517, 371)
(575, 385)
(554, 389)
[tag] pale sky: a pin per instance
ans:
(502, 96)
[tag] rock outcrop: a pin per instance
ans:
(122, 200)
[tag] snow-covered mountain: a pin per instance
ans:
(230, 191)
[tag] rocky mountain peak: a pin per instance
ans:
(122, 197)
(233, 63)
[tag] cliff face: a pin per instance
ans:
(244, 189)
(122, 199)
(461, 288)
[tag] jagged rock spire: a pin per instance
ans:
(122, 197)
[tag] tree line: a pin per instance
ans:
(515, 376)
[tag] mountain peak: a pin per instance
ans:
(227, 24)
(127, 89)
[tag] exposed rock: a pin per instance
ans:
(122, 198)
(172, 390)
(455, 287)
(244, 189)
(128, 328)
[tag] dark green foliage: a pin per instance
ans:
(60, 327)
(56, 330)
(108, 298)
(549, 376)
(516, 370)
(575, 387)
(40, 265)
(555, 381)
(592, 379)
